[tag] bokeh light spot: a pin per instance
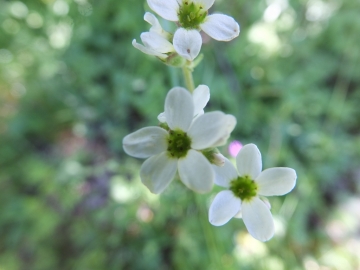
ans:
(234, 148)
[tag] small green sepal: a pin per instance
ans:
(164, 126)
(175, 60)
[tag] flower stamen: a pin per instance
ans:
(178, 143)
(191, 15)
(244, 187)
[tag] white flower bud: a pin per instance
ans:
(218, 159)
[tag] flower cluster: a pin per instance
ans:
(191, 16)
(185, 141)
(180, 146)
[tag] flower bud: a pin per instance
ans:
(218, 159)
(214, 156)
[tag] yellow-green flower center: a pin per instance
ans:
(179, 143)
(191, 15)
(244, 187)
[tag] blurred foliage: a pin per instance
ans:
(72, 86)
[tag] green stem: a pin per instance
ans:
(189, 81)
(212, 248)
(208, 234)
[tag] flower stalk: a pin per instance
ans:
(188, 77)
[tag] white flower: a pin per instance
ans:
(178, 149)
(156, 41)
(201, 96)
(245, 186)
(192, 16)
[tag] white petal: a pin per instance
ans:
(161, 117)
(147, 50)
(145, 142)
(210, 129)
(187, 43)
(201, 96)
(258, 219)
(206, 4)
(221, 27)
(195, 172)
(225, 174)
(266, 201)
(224, 207)
(248, 161)
(156, 42)
(157, 172)
(151, 19)
(198, 114)
(276, 181)
(228, 127)
(179, 108)
(156, 26)
(167, 9)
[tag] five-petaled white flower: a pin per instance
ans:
(192, 16)
(156, 41)
(201, 96)
(179, 148)
(245, 186)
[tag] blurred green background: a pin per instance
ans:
(72, 86)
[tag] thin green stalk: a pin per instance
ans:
(189, 81)
(209, 238)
